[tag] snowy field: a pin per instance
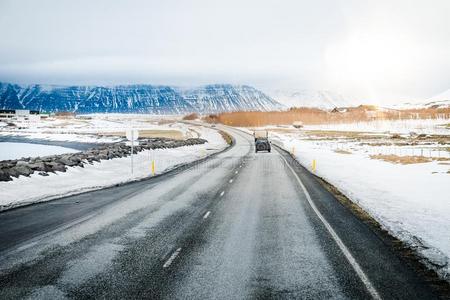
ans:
(411, 200)
(36, 188)
(19, 150)
(419, 126)
(100, 128)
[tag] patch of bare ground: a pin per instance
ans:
(342, 151)
(151, 133)
(330, 134)
(228, 139)
(163, 121)
(406, 160)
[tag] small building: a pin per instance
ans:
(7, 114)
(27, 115)
(21, 115)
(338, 110)
(297, 124)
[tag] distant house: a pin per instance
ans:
(338, 110)
(20, 115)
(27, 115)
(7, 114)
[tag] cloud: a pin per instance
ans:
(383, 50)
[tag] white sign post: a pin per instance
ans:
(132, 136)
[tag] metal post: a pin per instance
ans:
(132, 146)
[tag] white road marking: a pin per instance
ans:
(365, 280)
(172, 258)
(221, 194)
(206, 215)
(236, 172)
(231, 180)
(26, 246)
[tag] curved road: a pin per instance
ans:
(238, 225)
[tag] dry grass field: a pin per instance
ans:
(313, 116)
(407, 160)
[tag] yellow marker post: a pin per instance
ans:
(153, 167)
(314, 165)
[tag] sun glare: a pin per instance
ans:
(369, 59)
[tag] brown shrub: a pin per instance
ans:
(192, 116)
(211, 118)
(342, 151)
(312, 116)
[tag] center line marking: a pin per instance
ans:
(171, 258)
(231, 180)
(221, 194)
(206, 215)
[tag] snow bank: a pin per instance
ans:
(410, 201)
(36, 188)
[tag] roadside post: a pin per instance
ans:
(132, 136)
(314, 165)
(153, 167)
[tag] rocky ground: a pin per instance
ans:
(59, 163)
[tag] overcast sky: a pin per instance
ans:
(383, 50)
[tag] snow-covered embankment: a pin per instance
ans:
(36, 188)
(410, 201)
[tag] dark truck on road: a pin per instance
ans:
(261, 140)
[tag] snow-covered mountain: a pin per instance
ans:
(441, 97)
(135, 98)
(311, 98)
(441, 100)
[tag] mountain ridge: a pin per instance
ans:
(135, 98)
(322, 99)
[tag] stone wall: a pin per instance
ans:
(59, 163)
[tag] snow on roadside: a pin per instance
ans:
(90, 128)
(419, 126)
(37, 188)
(410, 201)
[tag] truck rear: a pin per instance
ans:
(261, 140)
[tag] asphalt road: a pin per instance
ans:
(238, 225)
